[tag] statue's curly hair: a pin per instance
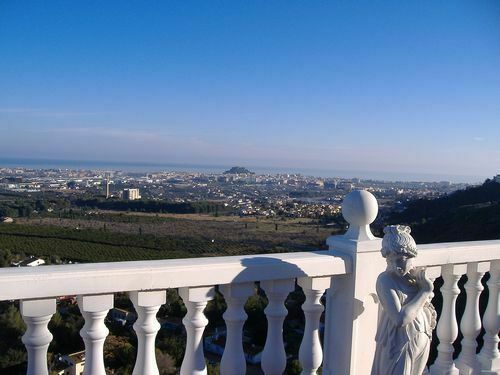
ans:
(397, 240)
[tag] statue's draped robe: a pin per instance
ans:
(403, 350)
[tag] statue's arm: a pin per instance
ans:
(399, 315)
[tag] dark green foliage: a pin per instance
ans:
(5, 257)
(119, 354)
(214, 310)
(172, 343)
(12, 328)
(6, 210)
(293, 367)
(465, 215)
(256, 324)
(65, 326)
(174, 306)
(165, 362)
(21, 205)
(151, 206)
(213, 369)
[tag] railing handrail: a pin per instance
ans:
(438, 254)
(112, 277)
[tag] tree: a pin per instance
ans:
(119, 353)
(256, 324)
(174, 305)
(166, 364)
(12, 327)
(213, 369)
(214, 310)
(172, 343)
(5, 257)
(293, 367)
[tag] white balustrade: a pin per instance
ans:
(37, 314)
(95, 284)
(146, 305)
(195, 322)
(490, 356)
(274, 356)
(310, 352)
(94, 310)
(233, 360)
(470, 324)
(447, 328)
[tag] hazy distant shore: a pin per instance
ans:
(143, 167)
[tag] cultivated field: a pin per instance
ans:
(110, 236)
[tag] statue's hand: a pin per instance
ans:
(426, 285)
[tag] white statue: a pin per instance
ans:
(406, 316)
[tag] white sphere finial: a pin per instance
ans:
(360, 208)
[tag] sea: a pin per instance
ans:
(145, 167)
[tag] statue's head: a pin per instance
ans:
(398, 247)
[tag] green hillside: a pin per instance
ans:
(465, 215)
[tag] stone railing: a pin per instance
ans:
(347, 272)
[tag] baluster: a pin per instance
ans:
(37, 314)
(195, 321)
(274, 356)
(233, 360)
(310, 352)
(94, 309)
(490, 356)
(432, 273)
(447, 328)
(146, 327)
(470, 324)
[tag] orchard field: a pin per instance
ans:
(109, 236)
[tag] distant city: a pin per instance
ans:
(144, 167)
(241, 191)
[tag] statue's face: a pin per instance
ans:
(400, 264)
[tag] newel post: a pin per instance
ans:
(352, 303)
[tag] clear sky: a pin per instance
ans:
(399, 86)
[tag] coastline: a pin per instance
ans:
(148, 167)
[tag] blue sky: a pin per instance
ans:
(398, 86)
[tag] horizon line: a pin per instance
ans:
(271, 169)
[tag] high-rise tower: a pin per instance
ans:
(107, 186)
